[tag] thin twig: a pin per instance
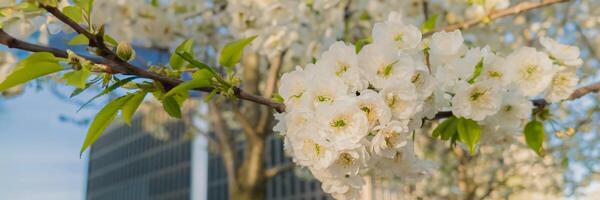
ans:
(119, 66)
(513, 10)
(274, 171)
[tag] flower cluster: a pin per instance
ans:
(352, 114)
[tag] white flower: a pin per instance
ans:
(515, 109)
(423, 81)
(514, 112)
(562, 85)
(476, 101)
(401, 98)
(533, 70)
(296, 119)
(491, 5)
(465, 66)
(404, 164)
(382, 63)
(403, 36)
(438, 101)
(373, 105)
(324, 89)
(292, 87)
(475, 12)
(341, 61)
(446, 43)
(310, 149)
(342, 123)
(280, 126)
(348, 163)
(564, 54)
(347, 187)
(323, 4)
(495, 69)
(389, 138)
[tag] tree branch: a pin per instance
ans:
(244, 122)
(119, 66)
(227, 151)
(513, 10)
(274, 171)
(272, 77)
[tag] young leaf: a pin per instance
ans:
(114, 86)
(132, 105)
(469, 132)
(201, 79)
(110, 40)
(79, 39)
(232, 52)
(477, 71)
(77, 78)
(189, 58)
(210, 95)
(359, 44)
(277, 98)
(172, 107)
(86, 5)
(429, 25)
(32, 67)
(74, 12)
(78, 91)
(450, 131)
(186, 46)
(103, 120)
(437, 132)
(534, 135)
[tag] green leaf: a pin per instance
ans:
(277, 98)
(77, 78)
(32, 67)
(132, 105)
(469, 132)
(189, 58)
(429, 25)
(232, 52)
(109, 89)
(201, 78)
(74, 12)
(86, 5)
(102, 120)
(172, 107)
(110, 40)
(186, 46)
(477, 71)
(443, 127)
(78, 91)
(210, 95)
(359, 44)
(535, 135)
(450, 131)
(79, 39)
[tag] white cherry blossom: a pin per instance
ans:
(476, 101)
(533, 70)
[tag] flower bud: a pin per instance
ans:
(125, 51)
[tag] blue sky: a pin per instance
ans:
(40, 153)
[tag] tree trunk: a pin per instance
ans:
(248, 194)
(251, 182)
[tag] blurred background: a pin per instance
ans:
(42, 128)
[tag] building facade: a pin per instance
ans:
(284, 186)
(127, 163)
